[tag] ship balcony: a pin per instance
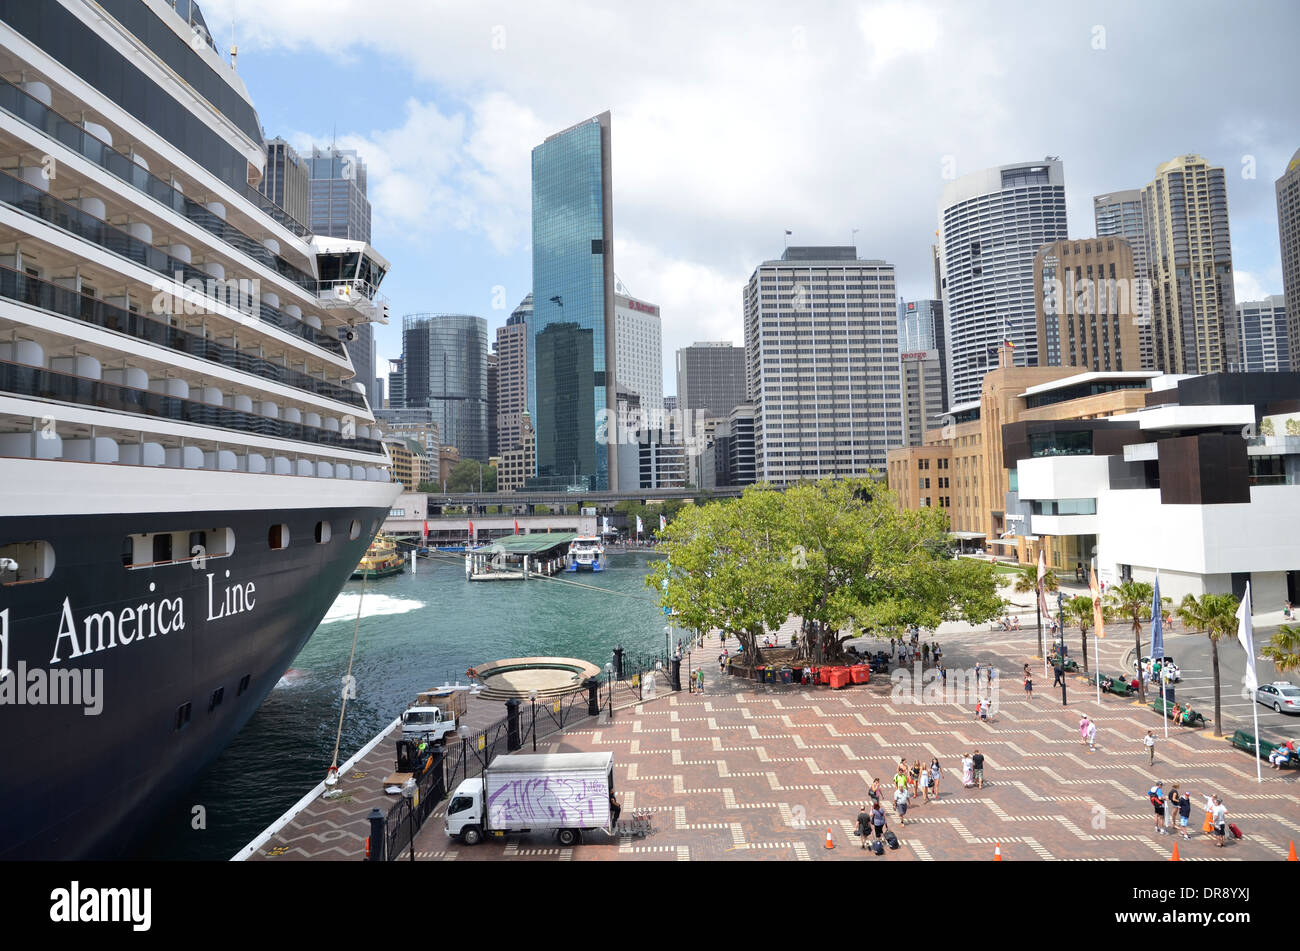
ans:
(241, 350)
(105, 439)
(75, 374)
(151, 273)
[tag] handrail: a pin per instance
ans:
(17, 286)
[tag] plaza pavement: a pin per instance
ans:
(747, 771)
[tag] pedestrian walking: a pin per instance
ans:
(864, 824)
(1059, 672)
(1083, 729)
(1207, 827)
(1029, 687)
(878, 819)
(900, 804)
(977, 768)
(925, 653)
(699, 683)
(967, 765)
(1156, 794)
(1092, 736)
(985, 709)
(1171, 810)
(914, 779)
(935, 772)
(1220, 823)
(1150, 743)
(900, 777)
(875, 792)
(1184, 813)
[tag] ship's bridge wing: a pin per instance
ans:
(350, 273)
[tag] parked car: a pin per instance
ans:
(1281, 695)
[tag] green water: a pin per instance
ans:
(415, 631)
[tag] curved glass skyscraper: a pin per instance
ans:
(571, 327)
(444, 358)
(991, 224)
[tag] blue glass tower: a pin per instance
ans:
(571, 327)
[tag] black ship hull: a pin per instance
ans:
(214, 633)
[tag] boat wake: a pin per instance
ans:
(344, 607)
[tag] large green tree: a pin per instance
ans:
(465, 477)
(1216, 615)
(1079, 610)
(1026, 580)
(1131, 601)
(1284, 649)
(848, 561)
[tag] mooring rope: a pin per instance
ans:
(347, 681)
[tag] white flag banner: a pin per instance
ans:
(1246, 634)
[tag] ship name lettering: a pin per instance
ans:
(106, 630)
(236, 599)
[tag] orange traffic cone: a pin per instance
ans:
(1174, 857)
(830, 843)
(997, 851)
(1290, 855)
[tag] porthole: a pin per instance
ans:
(278, 537)
(354, 530)
(323, 532)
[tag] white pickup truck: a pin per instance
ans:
(567, 793)
(430, 722)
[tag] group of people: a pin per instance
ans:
(1281, 754)
(1173, 811)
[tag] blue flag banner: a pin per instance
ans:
(1157, 622)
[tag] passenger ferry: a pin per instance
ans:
(380, 560)
(586, 553)
(190, 472)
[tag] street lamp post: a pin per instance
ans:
(532, 696)
(609, 679)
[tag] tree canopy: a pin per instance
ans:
(840, 554)
(464, 477)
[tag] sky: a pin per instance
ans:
(734, 122)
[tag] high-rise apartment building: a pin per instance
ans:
(821, 349)
(571, 353)
(1190, 256)
(1288, 230)
(1263, 332)
(396, 384)
(710, 378)
(494, 447)
(445, 359)
(639, 354)
(286, 181)
(991, 224)
(1119, 215)
(512, 378)
(923, 400)
(1086, 309)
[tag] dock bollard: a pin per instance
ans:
(677, 673)
(618, 663)
(513, 740)
(375, 842)
(593, 696)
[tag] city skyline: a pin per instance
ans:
(448, 150)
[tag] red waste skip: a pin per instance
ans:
(840, 678)
(824, 675)
(860, 673)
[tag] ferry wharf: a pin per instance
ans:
(758, 771)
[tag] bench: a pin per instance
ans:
(1166, 709)
(1070, 666)
(1116, 685)
(1246, 741)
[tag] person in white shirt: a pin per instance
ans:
(900, 803)
(1220, 819)
(1092, 736)
(1150, 743)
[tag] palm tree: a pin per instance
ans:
(1131, 600)
(1216, 615)
(1079, 610)
(1026, 580)
(1284, 649)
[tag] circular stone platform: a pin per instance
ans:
(517, 677)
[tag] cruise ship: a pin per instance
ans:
(189, 471)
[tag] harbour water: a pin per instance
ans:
(415, 630)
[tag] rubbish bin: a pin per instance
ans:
(759, 673)
(787, 676)
(860, 673)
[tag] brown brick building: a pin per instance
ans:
(1087, 305)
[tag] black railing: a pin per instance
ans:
(42, 205)
(26, 289)
(44, 119)
(26, 380)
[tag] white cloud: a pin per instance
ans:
(1246, 286)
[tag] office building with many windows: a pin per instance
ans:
(1262, 329)
(1087, 310)
(1119, 215)
(821, 349)
(445, 362)
(1288, 229)
(571, 334)
(639, 353)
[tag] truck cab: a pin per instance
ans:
(465, 812)
(432, 723)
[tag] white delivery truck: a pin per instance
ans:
(567, 793)
(428, 722)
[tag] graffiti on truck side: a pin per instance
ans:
(556, 799)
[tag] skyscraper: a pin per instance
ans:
(821, 346)
(339, 208)
(1119, 214)
(1190, 255)
(1086, 309)
(286, 181)
(445, 359)
(920, 328)
(571, 332)
(1288, 229)
(396, 384)
(1263, 332)
(991, 224)
(710, 378)
(639, 354)
(512, 377)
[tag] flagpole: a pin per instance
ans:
(1156, 619)
(1247, 625)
